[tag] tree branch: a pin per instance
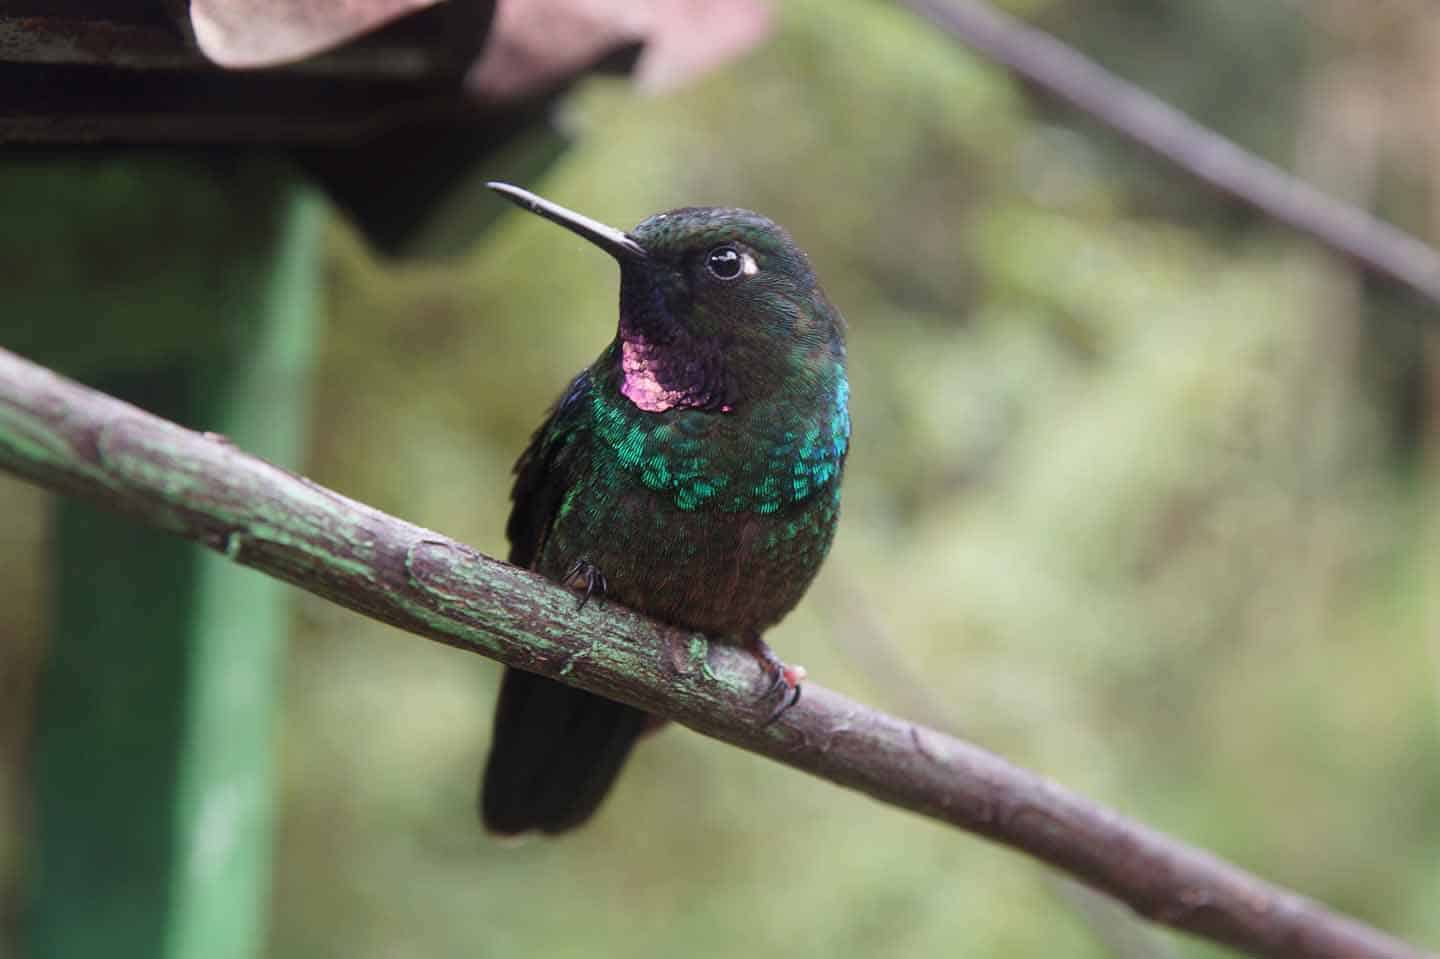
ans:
(81, 442)
(1069, 76)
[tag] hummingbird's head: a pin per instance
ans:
(718, 307)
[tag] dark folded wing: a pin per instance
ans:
(546, 470)
(556, 750)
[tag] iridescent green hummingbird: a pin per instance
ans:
(691, 473)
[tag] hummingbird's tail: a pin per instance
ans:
(555, 753)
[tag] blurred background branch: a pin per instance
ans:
(1068, 75)
(81, 442)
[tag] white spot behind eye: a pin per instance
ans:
(748, 266)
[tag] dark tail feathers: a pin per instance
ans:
(555, 753)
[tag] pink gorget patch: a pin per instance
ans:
(643, 387)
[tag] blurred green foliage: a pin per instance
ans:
(1124, 505)
(1122, 498)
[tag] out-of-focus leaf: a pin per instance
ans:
(538, 45)
(264, 33)
(689, 37)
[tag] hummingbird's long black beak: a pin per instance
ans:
(615, 242)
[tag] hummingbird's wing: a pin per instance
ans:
(545, 471)
(556, 749)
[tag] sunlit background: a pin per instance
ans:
(1142, 496)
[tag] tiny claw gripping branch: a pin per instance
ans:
(785, 678)
(586, 576)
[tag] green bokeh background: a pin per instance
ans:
(1137, 499)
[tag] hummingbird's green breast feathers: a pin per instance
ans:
(708, 520)
(774, 454)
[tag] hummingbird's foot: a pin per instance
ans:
(784, 678)
(585, 575)
(786, 703)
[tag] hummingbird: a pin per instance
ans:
(691, 473)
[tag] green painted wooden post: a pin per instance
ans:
(186, 284)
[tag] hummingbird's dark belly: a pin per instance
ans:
(717, 572)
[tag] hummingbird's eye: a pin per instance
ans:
(725, 262)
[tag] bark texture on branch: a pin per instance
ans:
(81, 442)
